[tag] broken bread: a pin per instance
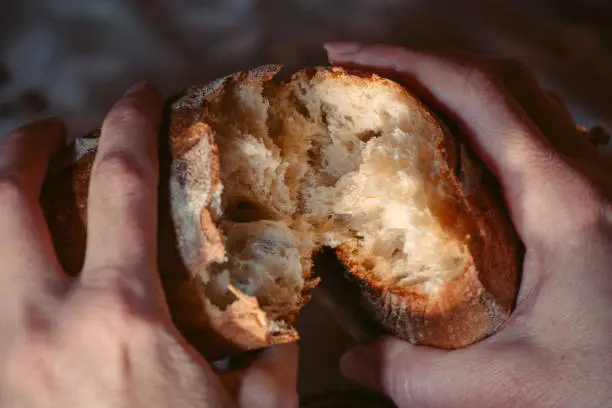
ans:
(258, 175)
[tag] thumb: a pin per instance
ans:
(412, 376)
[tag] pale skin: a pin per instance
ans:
(105, 339)
(555, 351)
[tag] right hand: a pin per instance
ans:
(555, 351)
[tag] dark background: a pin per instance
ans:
(73, 58)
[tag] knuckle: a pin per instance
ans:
(114, 289)
(109, 311)
(126, 112)
(12, 189)
(482, 82)
(121, 172)
(400, 387)
(405, 384)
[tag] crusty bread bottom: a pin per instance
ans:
(260, 175)
(330, 159)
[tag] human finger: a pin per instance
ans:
(122, 201)
(542, 191)
(546, 110)
(26, 251)
(403, 372)
(417, 376)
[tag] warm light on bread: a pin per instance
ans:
(264, 174)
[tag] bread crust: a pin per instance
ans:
(243, 325)
(188, 235)
(465, 310)
(479, 301)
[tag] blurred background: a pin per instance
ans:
(74, 58)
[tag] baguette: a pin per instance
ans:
(259, 175)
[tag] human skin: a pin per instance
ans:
(105, 339)
(555, 350)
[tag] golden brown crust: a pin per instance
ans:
(189, 175)
(463, 311)
(243, 325)
(478, 302)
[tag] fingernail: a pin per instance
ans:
(359, 365)
(342, 48)
(138, 88)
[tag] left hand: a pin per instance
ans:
(105, 339)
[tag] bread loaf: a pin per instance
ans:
(259, 175)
